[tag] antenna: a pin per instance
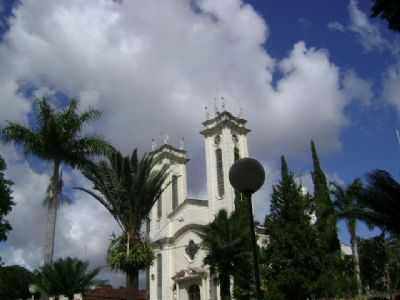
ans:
(207, 113)
(397, 136)
(216, 111)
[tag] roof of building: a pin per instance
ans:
(170, 152)
(110, 293)
(224, 119)
(220, 116)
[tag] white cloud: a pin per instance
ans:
(152, 66)
(336, 26)
(391, 86)
(370, 35)
(83, 228)
(357, 88)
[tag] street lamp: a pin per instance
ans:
(33, 290)
(247, 176)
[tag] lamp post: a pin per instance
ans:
(247, 176)
(33, 290)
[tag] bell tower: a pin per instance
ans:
(225, 138)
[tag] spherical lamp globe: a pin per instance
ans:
(247, 175)
(33, 289)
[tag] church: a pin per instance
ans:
(178, 271)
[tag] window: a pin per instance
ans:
(159, 276)
(236, 153)
(174, 192)
(194, 292)
(147, 227)
(159, 208)
(220, 173)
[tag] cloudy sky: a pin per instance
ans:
(322, 70)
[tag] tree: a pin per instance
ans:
(346, 200)
(66, 276)
(291, 259)
(57, 136)
(381, 202)
(6, 202)
(388, 10)
(128, 188)
(226, 241)
(324, 209)
(380, 264)
(14, 282)
(332, 274)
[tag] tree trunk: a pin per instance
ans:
(52, 207)
(356, 260)
(132, 284)
(225, 287)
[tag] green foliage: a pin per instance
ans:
(128, 187)
(6, 202)
(139, 256)
(380, 264)
(58, 137)
(66, 276)
(290, 261)
(14, 282)
(58, 134)
(388, 10)
(298, 261)
(326, 222)
(346, 200)
(381, 202)
(226, 241)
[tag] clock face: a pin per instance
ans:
(235, 138)
(217, 140)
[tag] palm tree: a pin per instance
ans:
(346, 200)
(56, 136)
(381, 201)
(128, 188)
(224, 239)
(66, 277)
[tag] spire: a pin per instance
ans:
(153, 144)
(207, 113)
(166, 139)
(223, 103)
(216, 111)
(182, 144)
(240, 113)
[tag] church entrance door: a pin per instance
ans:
(194, 292)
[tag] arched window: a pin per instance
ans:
(236, 153)
(220, 173)
(159, 276)
(194, 292)
(159, 208)
(174, 192)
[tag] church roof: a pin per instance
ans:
(171, 152)
(224, 119)
(223, 115)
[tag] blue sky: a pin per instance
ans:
(300, 69)
(369, 140)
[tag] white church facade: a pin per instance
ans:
(178, 271)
